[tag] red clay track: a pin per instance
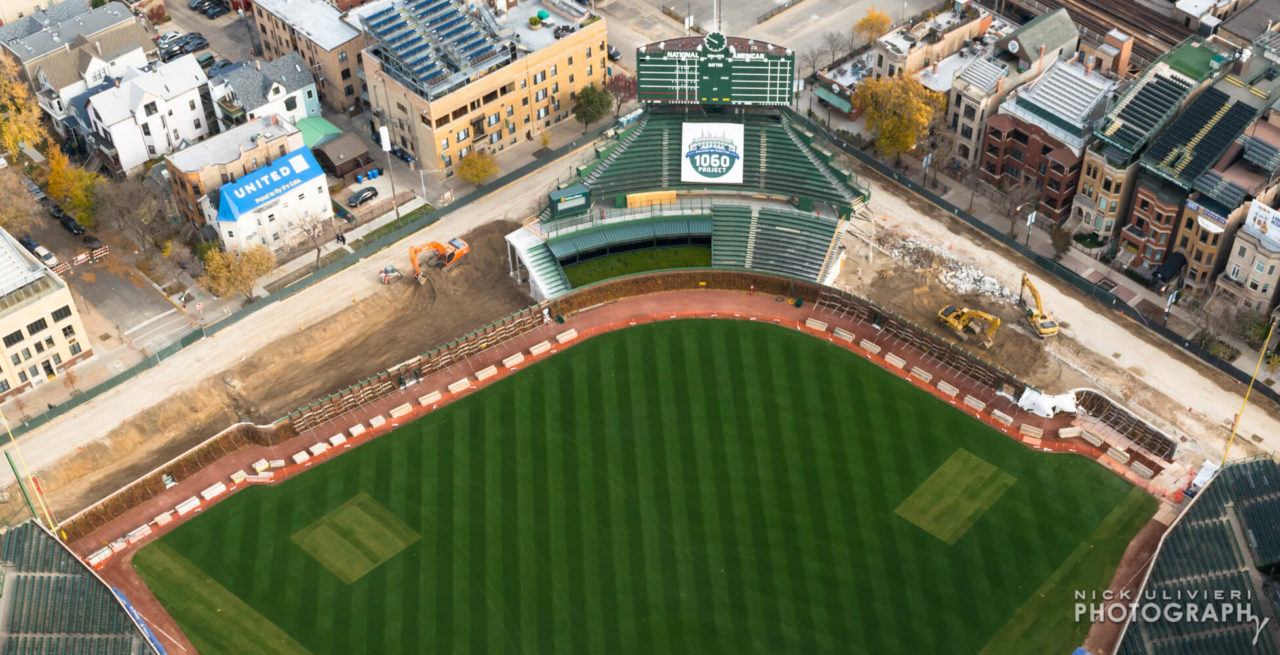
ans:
(723, 304)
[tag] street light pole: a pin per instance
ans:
(386, 146)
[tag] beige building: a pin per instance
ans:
(985, 81)
(508, 84)
(12, 10)
(205, 166)
(1253, 267)
(909, 49)
(41, 327)
(327, 42)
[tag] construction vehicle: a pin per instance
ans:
(389, 274)
(964, 321)
(439, 255)
(1039, 319)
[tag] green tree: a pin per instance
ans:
(591, 105)
(477, 167)
(898, 112)
(228, 273)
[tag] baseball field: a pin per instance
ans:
(683, 487)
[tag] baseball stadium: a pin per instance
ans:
(688, 442)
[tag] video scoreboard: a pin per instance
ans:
(715, 70)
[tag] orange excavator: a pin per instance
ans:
(439, 255)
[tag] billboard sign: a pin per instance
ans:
(711, 153)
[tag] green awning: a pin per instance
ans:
(316, 130)
(832, 99)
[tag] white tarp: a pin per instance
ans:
(1045, 405)
(711, 153)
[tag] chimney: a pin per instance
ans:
(933, 70)
(117, 82)
(275, 119)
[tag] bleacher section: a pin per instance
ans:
(54, 605)
(772, 240)
(776, 161)
(1204, 552)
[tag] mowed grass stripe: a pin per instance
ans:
(772, 480)
(955, 496)
(214, 619)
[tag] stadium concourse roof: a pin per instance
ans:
(1228, 541)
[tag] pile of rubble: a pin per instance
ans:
(950, 272)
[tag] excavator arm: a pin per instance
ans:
(443, 255)
(1040, 320)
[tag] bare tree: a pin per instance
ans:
(134, 209)
(311, 227)
(812, 59)
(837, 43)
(19, 208)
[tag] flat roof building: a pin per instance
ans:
(327, 42)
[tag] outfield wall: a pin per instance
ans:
(930, 362)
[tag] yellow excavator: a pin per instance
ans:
(439, 255)
(1040, 320)
(964, 321)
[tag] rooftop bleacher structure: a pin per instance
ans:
(50, 603)
(1229, 540)
(426, 43)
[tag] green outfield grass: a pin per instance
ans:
(684, 487)
(605, 267)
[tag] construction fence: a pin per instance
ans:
(1046, 264)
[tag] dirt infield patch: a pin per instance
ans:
(396, 323)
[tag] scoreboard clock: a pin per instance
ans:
(715, 70)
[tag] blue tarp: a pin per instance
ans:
(267, 184)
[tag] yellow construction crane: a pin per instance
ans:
(964, 321)
(1041, 321)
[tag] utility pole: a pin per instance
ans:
(386, 146)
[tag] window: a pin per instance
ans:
(542, 113)
(1240, 253)
(13, 339)
(510, 111)
(349, 91)
(444, 144)
(1259, 267)
(310, 94)
(346, 73)
(463, 135)
(69, 331)
(75, 349)
(4, 386)
(342, 57)
(291, 103)
(191, 105)
(495, 137)
(553, 69)
(540, 77)
(22, 376)
(41, 324)
(540, 95)
(197, 123)
(62, 313)
(524, 102)
(149, 109)
(571, 59)
(969, 112)
(57, 359)
(966, 131)
(16, 359)
(39, 347)
(26, 354)
(555, 87)
(146, 129)
(493, 120)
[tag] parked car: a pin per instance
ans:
(216, 11)
(194, 45)
(28, 243)
(206, 60)
(91, 242)
(42, 253)
(167, 38)
(57, 212)
(614, 54)
(222, 67)
(404, 155)
(201, 5)
(362, 196)
(69, 224)
(192, 4)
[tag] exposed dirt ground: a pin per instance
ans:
(402, 320)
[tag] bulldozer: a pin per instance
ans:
(439, 255)
(1041, 321)
(964, 321)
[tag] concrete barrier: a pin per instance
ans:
(1069, 432)
(187, 506)
(276, 464)
(975, 403)
(1142, 470)
(1118, 455)
(486, 372)
(337, 440)
(400, 410)
(138, 534)
(429, 399)
(895, 360)
(377, 421)
(164, 519)
(567, 336)
(1002, 417)
(510, 362)
(261, 465)
(815, 324)
(1031, 431)
(869, 346)
(1091, 438)
(238, 476)
(318, 449)
(213, 491)
(300, 457)
(843, 335)
(357, 430)
(947, 389)
(918, 372)
(539, 348)
(460, 386)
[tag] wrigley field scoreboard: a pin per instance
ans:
(715, 70)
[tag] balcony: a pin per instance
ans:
(1133, 233)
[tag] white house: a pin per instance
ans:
(274, 206)
(150, 113)
(85, 63)
(284, 87)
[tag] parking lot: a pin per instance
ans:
(230, 36)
